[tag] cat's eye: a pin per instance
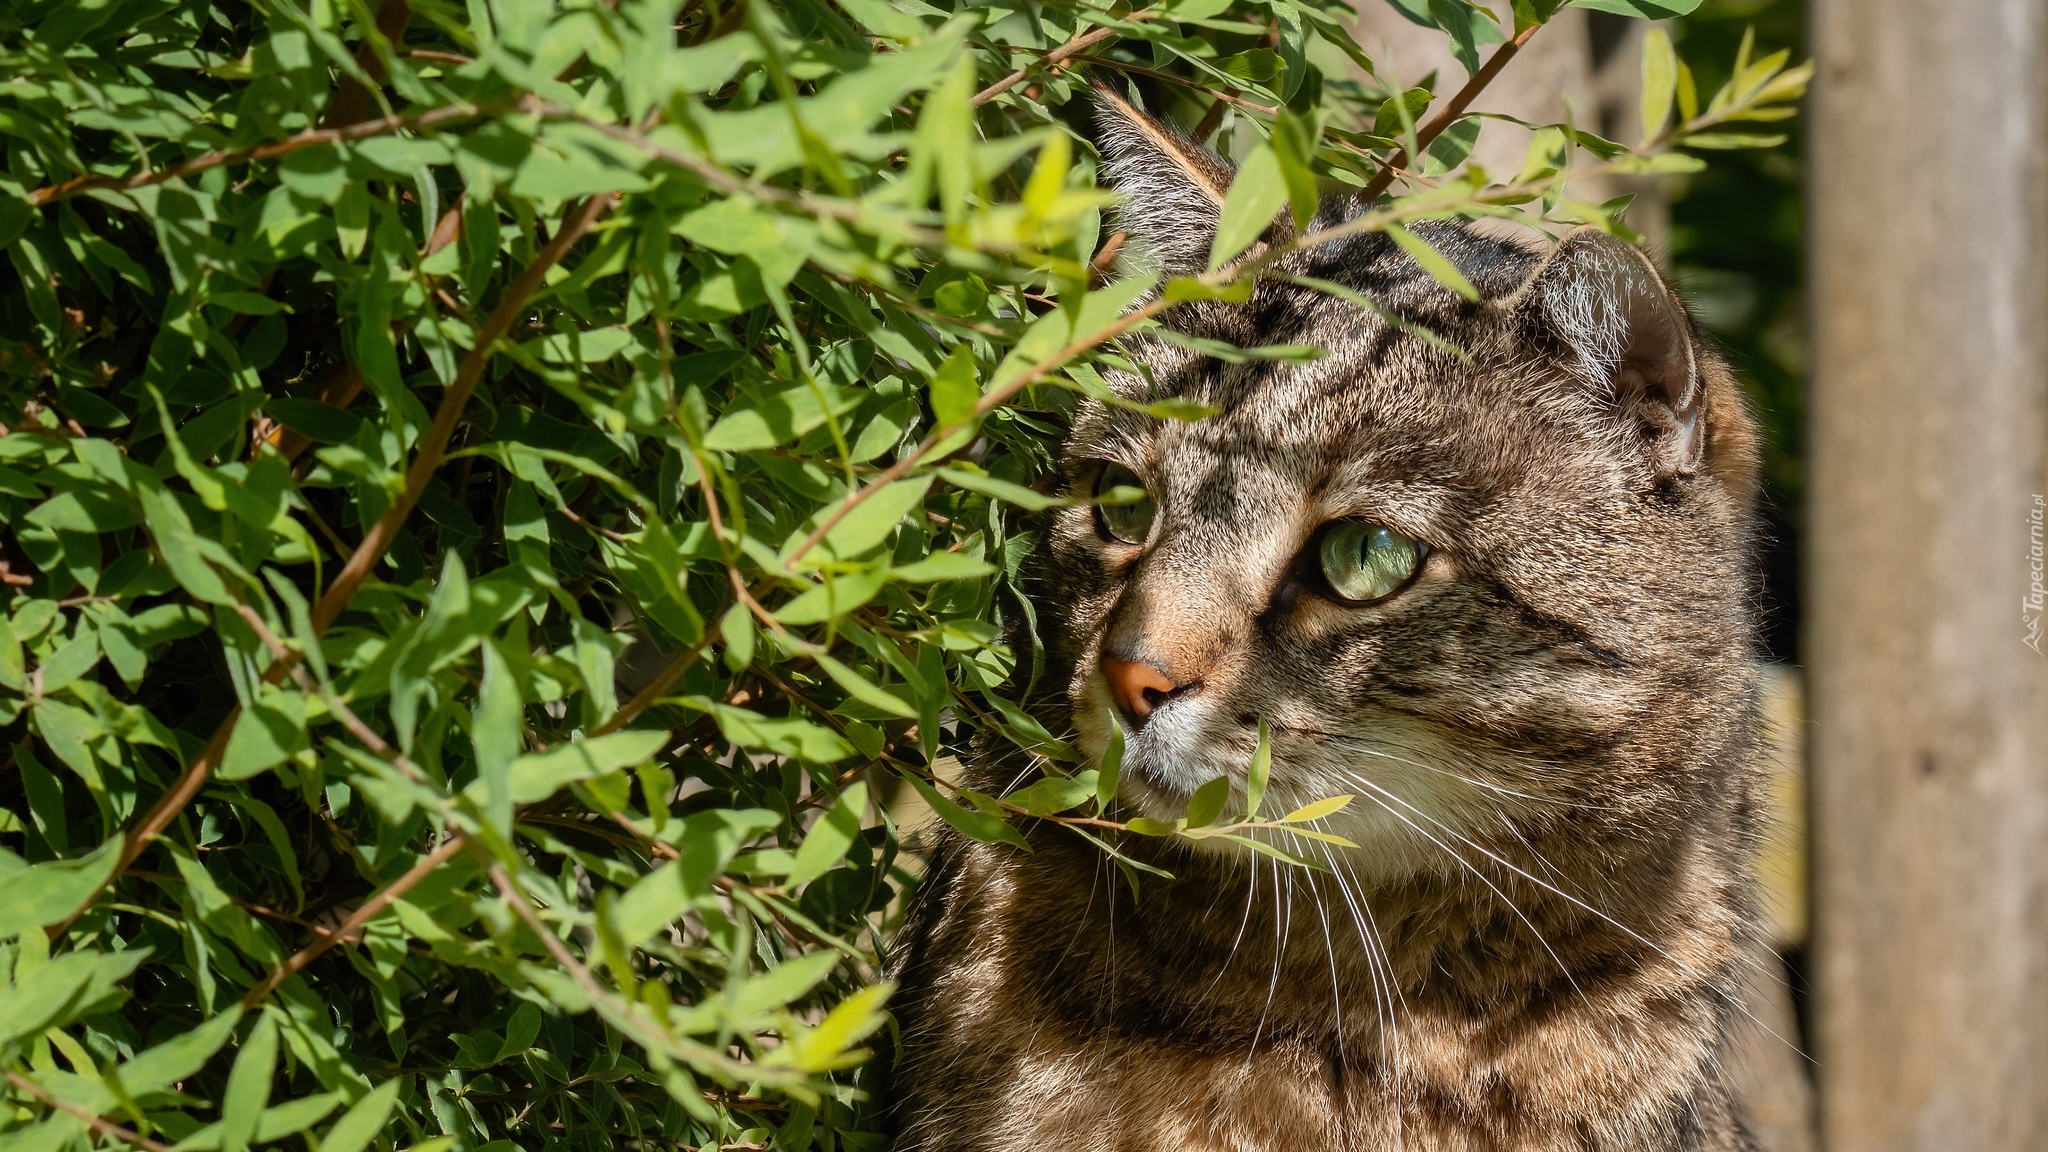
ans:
(1366, 562)
(1123, 508)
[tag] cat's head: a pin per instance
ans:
(1495, 596)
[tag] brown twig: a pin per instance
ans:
(351, 97)
(435, 445)
(655, 688)
(621, 1011)
(1222, 98)
(1053, 59)
(1451, 111)
(996, 398)
(361, 916)
(432, 118)
(1207, 125)
(374, 543)
(98, 1124)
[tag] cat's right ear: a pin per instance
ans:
(1627, 335)
(1172, 188)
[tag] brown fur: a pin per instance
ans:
(1549, 735)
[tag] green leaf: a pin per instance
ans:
(706, 843)
(974, 480)
(1207, 802)
(364, 1119)
(826, 843)
(317, 422)
(1642, 9)
(592, 347)
(1660, 81)
(496, 737)
(736, 631)
(1729, 141)
(1265, 849)
(1294, 147)
(538, 776)
(1317, 810)
(179, 1057)
(870, 522)
(287, 1119)
(974, 825)
(1112, 767)
(789, 737)
(82, 512)
(248, 1089)
(830, 1044)
(52, 890)
(778, 418)
(62, 988)
(1054, 794)
(1256, 774)
(1433, 262)
(266, 734)
(864, 690)
(70, 733)
(1257, 193)
(835, 596)
(954, 391)
(781, 984)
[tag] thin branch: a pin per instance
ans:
(1451, 111)
(1223, 98)
(435, 445)
(996, 398)
(361, 916)
(375, 542)
(848, 211)
(311, 138)
(1051, 59)
(352, 96)
(622, 1013)
(655, 688)
(102, 1126)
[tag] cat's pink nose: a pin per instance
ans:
(1137, 687)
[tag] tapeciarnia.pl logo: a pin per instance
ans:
(2035, 604)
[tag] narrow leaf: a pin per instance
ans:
(1255, 775)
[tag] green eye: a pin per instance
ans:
(1364, 562)
(1123, 508)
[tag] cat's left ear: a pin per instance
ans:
(1625, 333)
(1171, 188)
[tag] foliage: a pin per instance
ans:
(498, 498)
(1736, 240)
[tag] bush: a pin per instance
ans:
(498, 495)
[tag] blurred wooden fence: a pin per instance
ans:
(1928, 176)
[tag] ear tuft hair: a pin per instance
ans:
(1629, 336)
(1172, 187)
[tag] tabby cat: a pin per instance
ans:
(1502, 598)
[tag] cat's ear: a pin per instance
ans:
(1625, 332)
(1172, 188)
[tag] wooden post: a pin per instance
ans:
(1929, 413)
